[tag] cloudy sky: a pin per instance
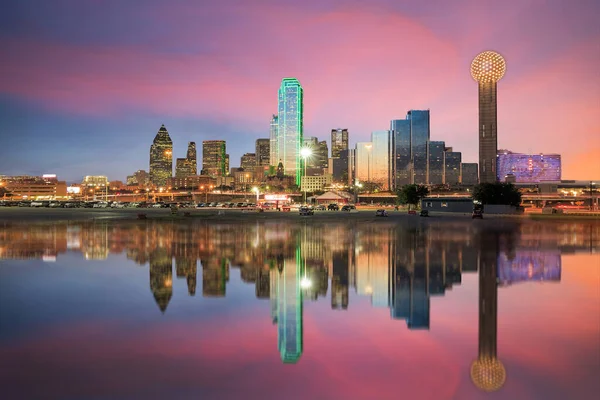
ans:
(85, 85)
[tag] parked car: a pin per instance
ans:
(305, 211)
(348, 207)
(320, 207)
(38, 204)
(424, 213)
(381, 213)
(24, 203)
(477, 214)
(333, 207)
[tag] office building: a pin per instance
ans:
(487, 69)
(33, 187)
(380, 159)
(363, 162)
(320, 155)
(161, 277)
(139, 178)
(274, 127)
(289, 309)
(248, 161)
(469, 174)
(161, 158)
(409, 148)
(312, 183)
(435, 162)
(339, 167)
(263, 152)
(351, 167)
(290, 128)
(339, 141)
(452, 161)
(191, 158)
(192, 182)
(528, 168)
(214, 158)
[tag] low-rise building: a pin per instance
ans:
(314, 183)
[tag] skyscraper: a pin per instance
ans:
(289, 309)
(161, 158)
(161, 277)
(363, 161)
(409, 148)
(191, 157)
(214, 158)
(321, 155)
(469, 174)
(452, 160)
(290, 127)
(380, 159)
(487, 69)
(339, 141)
(435, 162)
(248, 161)
(263, 152)
(274, 127)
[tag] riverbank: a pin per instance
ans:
(229, 215)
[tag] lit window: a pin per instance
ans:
(444, 204)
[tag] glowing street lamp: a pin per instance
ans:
(257, 190)
(305, 153)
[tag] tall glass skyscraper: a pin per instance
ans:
(263, 155)
(401, 158)
(419, 135)
(363, 162)
(289, 309)
(409, 148)
(274, 126)
(161, 158)
(380, 159)
(435, 158)
(290, 127)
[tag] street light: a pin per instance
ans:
(257, 190)
(305, 153)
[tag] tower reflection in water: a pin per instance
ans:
(395, 266)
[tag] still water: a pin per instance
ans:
(423, 309)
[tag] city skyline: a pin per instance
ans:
(72, 91)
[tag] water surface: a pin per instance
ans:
(433, 309)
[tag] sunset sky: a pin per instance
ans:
(85, 85)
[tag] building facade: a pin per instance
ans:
(452, 162)
(290, 128)
(435, 162)
(528, 168)
(469, 174)
(409, 148)
(314, 183)
(248, 161)
(191, 157)
(339, 141)
(380, 159)
(214, 158)
(363, 162)
(139, 177)
(161, 158)
(94, 181)
(263, 152)
(274, 128)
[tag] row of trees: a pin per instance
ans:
(486, 193)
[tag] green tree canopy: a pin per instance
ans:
(412, 194)
(497, 193)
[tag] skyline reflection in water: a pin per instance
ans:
(401, 268)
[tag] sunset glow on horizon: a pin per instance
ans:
(85, 79)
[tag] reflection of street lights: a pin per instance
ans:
(592, 195)
(305, 153)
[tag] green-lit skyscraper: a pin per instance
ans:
(290, 127)
(289, 309)
(161, 158)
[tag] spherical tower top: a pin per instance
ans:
(488, 66)
(488, 374)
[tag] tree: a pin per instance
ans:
(412, 194)
(497, 193)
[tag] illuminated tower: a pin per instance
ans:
(191, 158)
(274, 127)
(290, 129)
(214, 158)
(161, 158)
(487, 69)
(487, 372)
(339, 141)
